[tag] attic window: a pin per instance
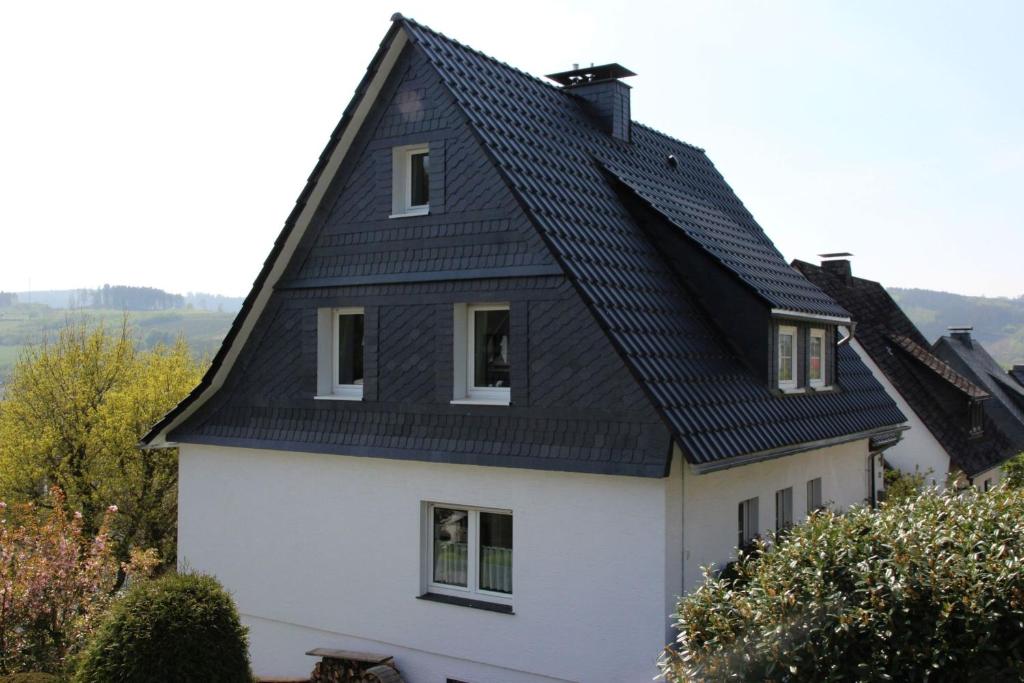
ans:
(816, 357)
(482, 354)
(803, 357)
(340, 353)
(410, 190)
(977, 426)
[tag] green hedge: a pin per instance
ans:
(928, 589)
(179, 628)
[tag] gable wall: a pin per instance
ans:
(575, 405)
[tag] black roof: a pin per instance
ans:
(557, 162)
(1006, 407)
(1017, 372)
(927, 383)
(552, 155)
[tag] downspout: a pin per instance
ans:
(852, 330)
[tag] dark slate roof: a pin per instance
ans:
(940, 368)
(552, 156)
(1017, 373)
(1007, 405)
(936, 392)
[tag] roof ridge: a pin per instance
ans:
(930, 360)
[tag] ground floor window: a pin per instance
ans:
(748, 523)
(469, 552)
(783, 509)
(814, 495)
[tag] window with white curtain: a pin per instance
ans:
(816, 357)
(787, 357)
(469, 552)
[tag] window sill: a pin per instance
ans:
(417, 211)
(793, 390)
(337, 397)
(480, 402)
(467, 602)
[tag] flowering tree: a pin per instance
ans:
(54, 582)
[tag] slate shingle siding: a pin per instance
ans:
(575, 406)
(473, 224)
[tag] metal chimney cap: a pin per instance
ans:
(838, 254)
(591, 74)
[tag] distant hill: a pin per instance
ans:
(124, 298)
(998, 321)
(23, 324)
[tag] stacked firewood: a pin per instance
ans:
(330, 670)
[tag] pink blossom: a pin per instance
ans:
(78, 515)
(112, 508)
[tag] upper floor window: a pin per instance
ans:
(787, 357)
(410, 191)
(340, 353)
(816, 357)
(977, 419)
(482, 353)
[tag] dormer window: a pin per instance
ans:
(803, 357)
(410, 190)
(977, 419)
(816, 357)
(787, 357)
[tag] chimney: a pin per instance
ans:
(837, 264)
(962, 333)
(606, 98)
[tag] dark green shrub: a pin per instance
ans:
(178, 628)
(31, 678)
(928, 589)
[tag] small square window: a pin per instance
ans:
(469, 553)
(814, 495)
(410, 190)
(787, 357)
(340, 353)
(482, 353)
(783, 509)
(816, 357)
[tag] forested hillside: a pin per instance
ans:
(998, 321)
(23, 324)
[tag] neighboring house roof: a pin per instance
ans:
(927, 383)
(1017, 373)
(1006, 408)
(555, 160)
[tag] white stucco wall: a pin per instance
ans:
(710, 501)
(918, 451)
(324, 551)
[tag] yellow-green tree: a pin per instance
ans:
(72, 414)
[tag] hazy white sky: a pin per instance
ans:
(164, 144)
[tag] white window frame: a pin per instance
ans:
(401, 181)
(783, 509)
(465, 348)
(472, 591)
(814, 490)
(790, 384)
(328, 327)
(816, 333)
(749, 522)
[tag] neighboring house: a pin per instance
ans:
(952, 427)
(516, 367)
(1006, 408)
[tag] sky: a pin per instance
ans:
(164, 144)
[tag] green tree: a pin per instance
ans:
(1013, 471)
(72, 415)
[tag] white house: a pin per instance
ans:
(516, 368)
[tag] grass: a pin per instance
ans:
(25, 324)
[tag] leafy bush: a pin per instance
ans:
(54, 582)
(30, 678)
(932, 588)
(1013, 471)
(178, 628)
(902, 486)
